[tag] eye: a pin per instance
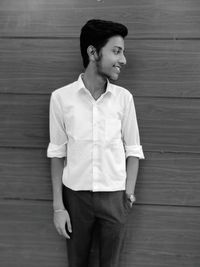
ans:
(116, 51)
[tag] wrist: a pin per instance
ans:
(58, 206)
(130, 197)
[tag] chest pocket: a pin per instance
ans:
(112, 129)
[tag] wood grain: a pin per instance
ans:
(169, 124)
(24, 120)
(166, 68)
(156, 236)
(164, 125)
(39, 51)
(169, 179)
(28, 237)
(164, 178)
(144, 18)
(25, 174)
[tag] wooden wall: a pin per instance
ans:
(39, 52)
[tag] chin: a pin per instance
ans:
(114, 77)
(111, 76)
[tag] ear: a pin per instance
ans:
(92, 53)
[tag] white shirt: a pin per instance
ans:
(95, 136)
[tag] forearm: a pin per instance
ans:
(57, 165)
(132, 165)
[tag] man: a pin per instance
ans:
(95, 147)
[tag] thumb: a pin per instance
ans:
(69, 226)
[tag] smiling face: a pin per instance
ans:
(111, 58)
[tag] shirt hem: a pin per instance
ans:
(120, 188)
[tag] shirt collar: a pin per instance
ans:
(81, 85)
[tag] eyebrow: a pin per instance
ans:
(119, 47)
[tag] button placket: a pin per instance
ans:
(95, 145)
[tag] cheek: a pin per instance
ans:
(108, 60)
(108, 63)
(104, 65)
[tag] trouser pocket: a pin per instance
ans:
(127, 204)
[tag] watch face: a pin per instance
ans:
(132, 198)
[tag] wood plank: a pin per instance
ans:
(164, 178)
(38, 66)
(164, 125)
(163, 68)
(163, 236)
(24, 120)
(25, 174)
(169, 125)
(144, 18)
(156, 236)
(28, 237)
(169, 179)
(154, 68)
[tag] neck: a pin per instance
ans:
(94, 82)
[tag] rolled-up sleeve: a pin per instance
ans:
(130, 131)
(58, 137)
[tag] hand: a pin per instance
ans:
(61, 218)
(130, 204)
(130, 198)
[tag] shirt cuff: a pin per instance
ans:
(57, 151)
(135, 151)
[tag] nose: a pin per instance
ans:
(122, 59)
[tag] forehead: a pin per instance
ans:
(115, 41)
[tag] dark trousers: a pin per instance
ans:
(106, 210)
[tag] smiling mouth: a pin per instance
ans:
(117, 68)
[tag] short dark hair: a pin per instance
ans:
(96, 32)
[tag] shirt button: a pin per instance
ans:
(95, 169)
(95, 109)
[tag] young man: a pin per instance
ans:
(95, 147)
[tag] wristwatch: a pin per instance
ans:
(131, 198)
